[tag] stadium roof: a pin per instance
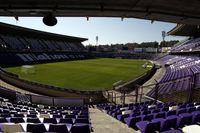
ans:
(177, 11)
(17, 30)
(185, 30)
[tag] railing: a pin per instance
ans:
(188, 95)
(122, 98)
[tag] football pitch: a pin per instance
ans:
(92, 74)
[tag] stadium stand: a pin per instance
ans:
(152, 116)
(24, 46)
(189, 45)
(134, 55)
(182, 71)
(27, 117)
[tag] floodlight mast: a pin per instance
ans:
(163, 35)
(97, 39)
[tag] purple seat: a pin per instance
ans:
(191, 109)
(182, 106)
(36, 128)
(18, 115)
(6, 111)
(148, 127)
(156, 111)
(165, 109)
(122, 117)
(33, 112)
(184, 119)
(5, 115)
(171, 112)
(195, 117)
(160, 115)
(173, 131)
(146, 112)
(50, 120)
(131, 121)
(190, 105)
(66, 120)
(70, 116)
(17, 120)
(31, 115)
(82, 120)
(33, 120)
(135, 114)
(169, 122)
(181, 111)
(83, 116)
(57, 116)
(58, 128)
(148, 117)
(80, 128)
(3, 120)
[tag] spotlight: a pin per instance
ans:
(49, 20)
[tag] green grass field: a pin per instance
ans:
(93, 74)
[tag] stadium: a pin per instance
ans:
(51, 82)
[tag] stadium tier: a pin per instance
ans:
(189, 45)
(151, 116)
(27, 117)
(20, 45)
(182, 73)
(26, 44)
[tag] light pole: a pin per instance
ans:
(97, 39)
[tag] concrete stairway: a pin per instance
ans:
(103, 123)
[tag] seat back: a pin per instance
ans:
(181, 111)
(18, 115)
(82, 120)
(80, 128)
(191, 109)
(148, 117)
(57, 116)
(33, 120)
(66, 120)
(160, 115)
(171, 112)
(50, 120)
(170, 122)
(16, 119)
(184, 119)
(195, 117)
(3, 120)
(134, 120)
(36, 128)
(61, 128)
(31, 115)
(152, 127)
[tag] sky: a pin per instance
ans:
(108, 30)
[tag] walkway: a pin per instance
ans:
(11, 87)
(103, 123)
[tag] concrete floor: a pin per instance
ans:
(103, 123)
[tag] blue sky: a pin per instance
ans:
(109, 30)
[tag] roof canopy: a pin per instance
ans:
(177, 11)
(185, 30)
(17, 30)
